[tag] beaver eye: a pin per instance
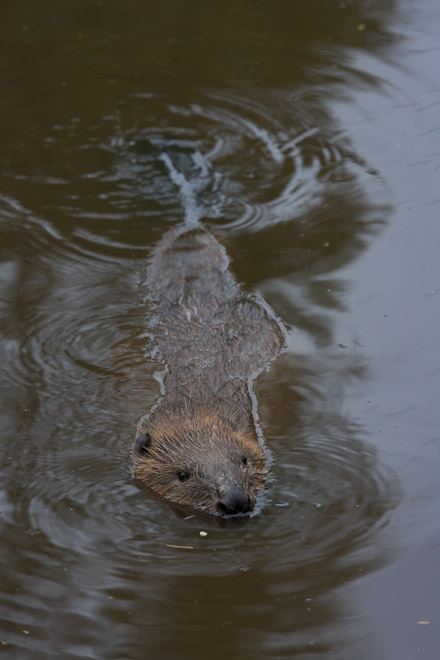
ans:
(182, 475)
(244, 460)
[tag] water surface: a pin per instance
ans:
(318, 125)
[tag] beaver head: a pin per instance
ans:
(200, 459)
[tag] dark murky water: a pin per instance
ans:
(320, 126)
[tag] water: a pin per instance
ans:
(318, 133)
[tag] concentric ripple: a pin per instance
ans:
(249, 168)
(74, 341)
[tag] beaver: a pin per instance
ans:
(199, 447)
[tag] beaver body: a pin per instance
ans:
(199, 447)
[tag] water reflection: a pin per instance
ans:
(92, 97)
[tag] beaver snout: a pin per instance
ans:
(233, 502)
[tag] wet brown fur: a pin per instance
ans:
(199, 446)
(204, 443)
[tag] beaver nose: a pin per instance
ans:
(233, 502)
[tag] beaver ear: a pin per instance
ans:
(143, 443)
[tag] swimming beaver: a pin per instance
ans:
(199, 447)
